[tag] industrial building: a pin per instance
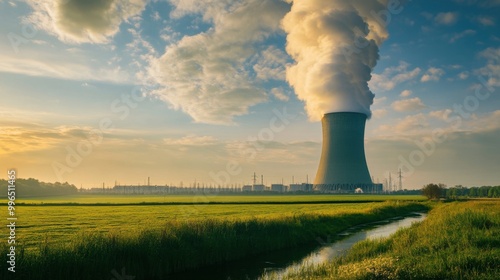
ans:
(304, 187)
(247, 188)
(259, 188)
(278, 188)
(163, 190)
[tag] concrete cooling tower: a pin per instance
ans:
(342, 168)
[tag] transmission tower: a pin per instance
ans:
(400, 177)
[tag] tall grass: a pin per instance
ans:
(184, 244)
(59, 224)
(458, 240)
(114, 199)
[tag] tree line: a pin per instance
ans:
(32, 187)
(484, 191)
(436, 191)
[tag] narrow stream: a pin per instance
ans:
(290, 259)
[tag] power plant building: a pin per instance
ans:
(304, 187)
(342, 167)
(259, 188)
(278, 188)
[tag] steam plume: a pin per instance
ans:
(335, 44)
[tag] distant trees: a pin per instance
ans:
(472, 192)
(485, 191)
(32, 187)
(493, 192)
(433, 191)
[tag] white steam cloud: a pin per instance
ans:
(335, 44)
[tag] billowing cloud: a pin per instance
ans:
(486, 122)
(410, 125)
(432, 74)
(448, 18)
(279, 94)
(335, 45)
(393, 76)
(206, 75)
(408, 105)
(271, 64)
(443, 115)
(208, 8)
(379, 100)
(83, 21)
(424, 125)
(406, 93)
(485, 20)
(457, 36)
(491, 71)
(379, 113)
(463, 75)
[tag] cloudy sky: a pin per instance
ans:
(210, 91)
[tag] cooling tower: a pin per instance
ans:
(342, 167)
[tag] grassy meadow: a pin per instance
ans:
(459, 240)
(87, 241)
(59, 224)
(211, 198)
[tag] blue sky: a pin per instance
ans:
(105, 91)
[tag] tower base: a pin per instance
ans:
(348, 188)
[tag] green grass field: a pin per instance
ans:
(59, 224)
(129, 199)
(97, 238)
(459, 240)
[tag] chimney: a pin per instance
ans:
(342, 166)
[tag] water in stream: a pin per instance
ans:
(283, 260)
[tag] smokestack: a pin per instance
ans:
(343, 167)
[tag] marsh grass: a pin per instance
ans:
(187, 244)
(459, 240)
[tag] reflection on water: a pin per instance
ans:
(338, 248)
(291, 259)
